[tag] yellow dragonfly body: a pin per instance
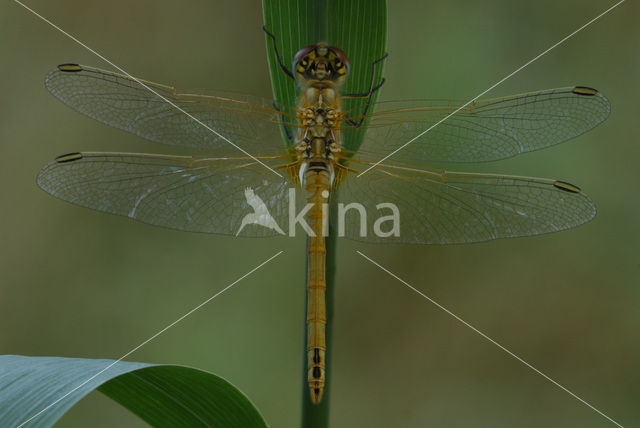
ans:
(216, 191)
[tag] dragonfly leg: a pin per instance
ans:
(275, 48)
(287, 131)
(369, 94)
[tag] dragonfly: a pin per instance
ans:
(216, 190)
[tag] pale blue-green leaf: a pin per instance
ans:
(162, 395)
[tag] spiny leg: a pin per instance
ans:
(275, 48)
(288, 133)
(369, 94)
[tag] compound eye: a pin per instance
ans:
(302, 58)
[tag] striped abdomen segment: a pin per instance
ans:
(317, 188)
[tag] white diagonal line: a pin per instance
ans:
(148, 88)
(490, 339)
(152, 337)
(491, 87)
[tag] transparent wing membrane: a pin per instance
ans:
(442, 207)
(486, 130)
(210, 195)
(179, 192)
(213, 193)
(251, 123)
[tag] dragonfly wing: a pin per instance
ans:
(451, 208)
(168, 115)
(486, 130)
(179, 192)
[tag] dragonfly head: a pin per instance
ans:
(320, 63)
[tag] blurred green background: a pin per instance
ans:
(78, 283)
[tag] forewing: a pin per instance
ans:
(486, 130)
(179, 192)
(170, 115)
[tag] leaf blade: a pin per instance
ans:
(358, 27)
(30, 384)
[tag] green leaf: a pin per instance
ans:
(162, 395)
(358, 27)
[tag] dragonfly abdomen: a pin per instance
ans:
(317, 185)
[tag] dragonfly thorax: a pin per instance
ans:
(318, 138)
